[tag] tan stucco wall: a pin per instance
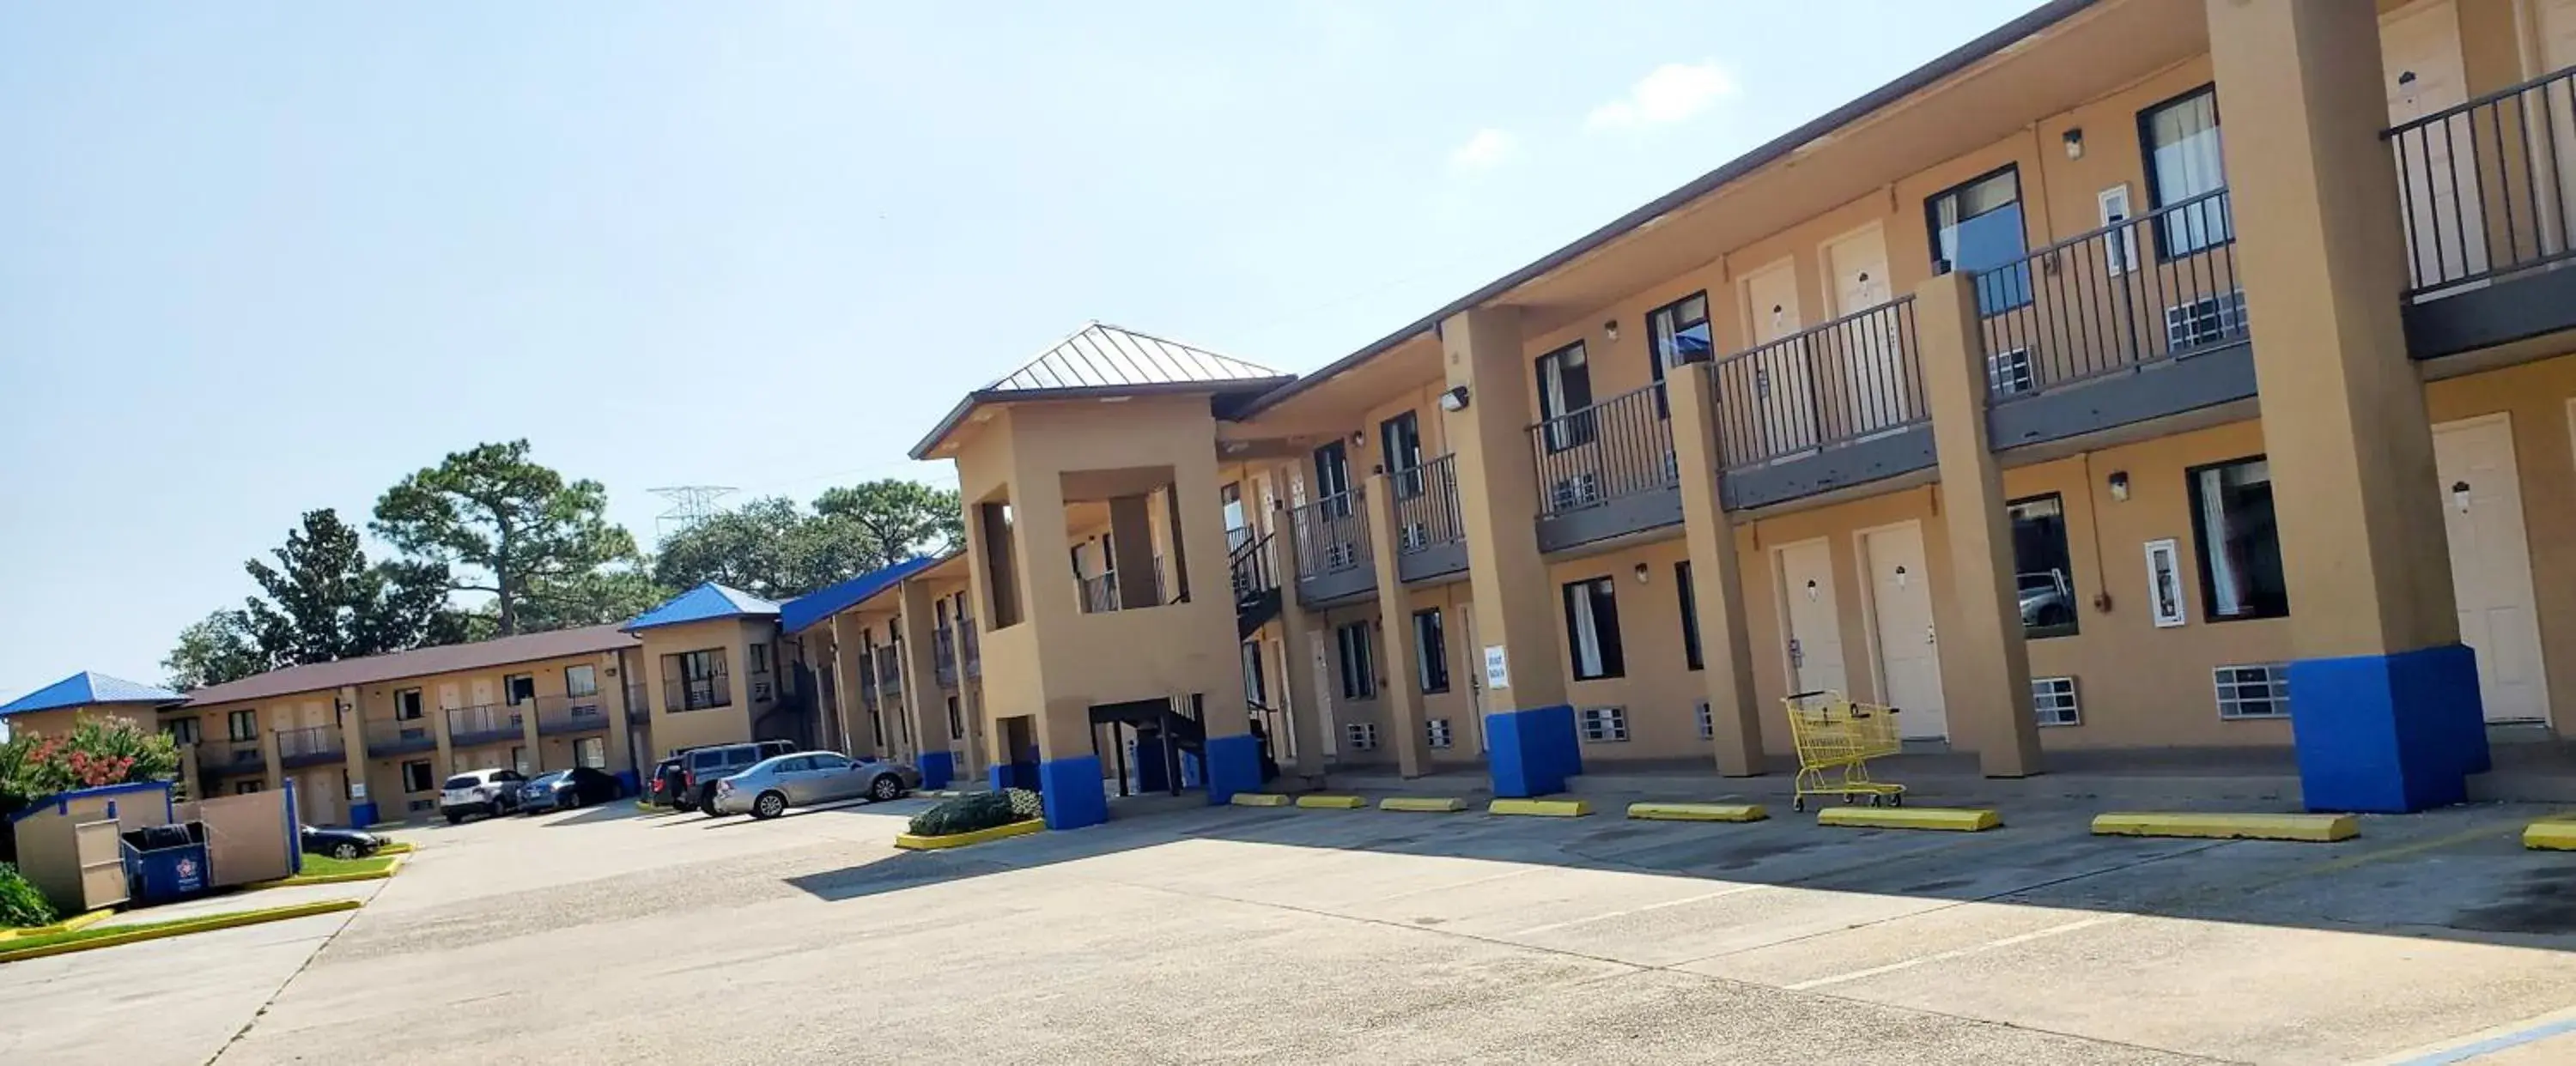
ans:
(1659, 690)
(59, 721)
(673, 730)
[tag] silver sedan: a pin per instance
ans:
(772, 785)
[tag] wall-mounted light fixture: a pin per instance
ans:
(1455, 399)
(1642, 571)
(1610, 329)
(2460, 496)
(2075, 143)
(1359, 440)
(2120, 485)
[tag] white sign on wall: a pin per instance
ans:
(2164, 583)
(1498, 669)
(357, 790)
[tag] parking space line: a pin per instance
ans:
(1553, 926)
(2479, 1045)
(1955, 953)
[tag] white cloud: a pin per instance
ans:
(1487, 149)
(1668, 94)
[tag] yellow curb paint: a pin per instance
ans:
(2319, 828)
(73, 924)
(328, 879)
(1259, 799)
(909, 842)
(1542, 808)
(1698, 812)
(1954, 819)
(2550, 834)
(207, 924)
(1422, 804)
(1331, 803)
(399, 847)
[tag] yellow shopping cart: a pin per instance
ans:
(1836, 739)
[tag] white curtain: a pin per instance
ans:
(1587, 636)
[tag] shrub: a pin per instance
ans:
(21, 905)
(983, 810)
(97, 751)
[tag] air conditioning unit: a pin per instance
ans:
(1672, 467)
(1341, 555)
(760, 690)
(2009, 372)
(2211, 320)
(1415, 536)
(1581, 490)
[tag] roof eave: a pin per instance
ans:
(947, 425)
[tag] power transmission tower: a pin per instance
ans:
(690, 505)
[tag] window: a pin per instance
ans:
(1430, 652)
(2209, 320)
(759, 658)
(519, 688)
(1592, 629)
(591, 752)
(421, 806)
(407, 705)
(2180, 139)
(1436, 731)
(1359, 670)
(1605, 725)
(695, 681)
(1001, 568)
(1564, 388)
(2043, 571)
(1400, 438)
(1707, 722)
(956, 721)
(1362, 735)
(1677, 333)
(2008, 373)
(1333, 480)
(2240, 548)
(182, 731)
(2052, 701)
(580, 681)
(1690, 614)
(242, 725)
(245, 788)
(2257, 691)
(1976, 227)
(415, 775)
(797, 765)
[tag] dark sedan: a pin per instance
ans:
(563, 790)
(341, 843)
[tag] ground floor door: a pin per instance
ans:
(1900, 600)
(2481, 500)
(1813, 617)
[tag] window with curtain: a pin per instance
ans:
(1430, 652)
(1677, 333)
(1565, 387)
(2240, 547)
(1592, 629)
(1400, 441)
(2180, 140)
(1359, 667)
(1976, 227)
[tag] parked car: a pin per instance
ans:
(340, 843)
(2047, 599)
(701, 768)
(563, 790)
(769, 787)
(490, 793)
(663, 788)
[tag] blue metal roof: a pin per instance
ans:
(806, 611)
(86, 688)
(704, 603)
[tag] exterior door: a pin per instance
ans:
(2419, 51)
(2481, 500)
(1874, 389)
(1909, 660)
(1784, 385)
(1814, 617)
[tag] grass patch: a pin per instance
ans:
(54, 943)
(326, 866)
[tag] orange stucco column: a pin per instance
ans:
(353, 748)
(1395, 622)
(1717, 586)
(1985, 663)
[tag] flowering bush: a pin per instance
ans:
(97, 751)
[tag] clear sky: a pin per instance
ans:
(261, 258)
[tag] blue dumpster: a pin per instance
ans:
(165, 862)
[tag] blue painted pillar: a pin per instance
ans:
(1233, 765)
(1532, 752)
(938, 768)
(1072, 792)
(2388, 733)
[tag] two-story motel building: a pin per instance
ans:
(2146, 378)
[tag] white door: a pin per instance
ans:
(2481, 499)
(1900, 598)
(2419, 51)
(1875, 392)
(1784, 382)
(1814, 617)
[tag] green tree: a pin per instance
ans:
(748, 548)
(326, 603)
(895, 519)
(771, 547)
(213, 650)
(509, 527)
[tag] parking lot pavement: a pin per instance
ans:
(1315, 936)
(173, 1002)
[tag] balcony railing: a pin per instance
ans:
(1332, 535)
(1851, 379)
(1622, 446)
(2488, 188)
(698, 693)
(970, 647)
(2127, 296)
(572, 714)
(1426, 506)
(1252, 569)
(485, 724)
(944, 657)
(889, 671)
(309, 745)
(396, 736)
(218, 757)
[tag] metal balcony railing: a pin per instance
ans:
(1251, 568)
(1103, 593)
(485, 724)
(698, 693)
(1332, 535)
(1426, 506)
(944, 656)
(2128, 295)
(571, 714)
(1851, 379)
(397, 735)
(970, 647)
(889, 671)
(307, 745)
(2488, 188)
(1618, 447)
(230, 757)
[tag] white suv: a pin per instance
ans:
(486, 792)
